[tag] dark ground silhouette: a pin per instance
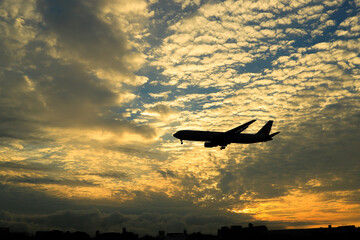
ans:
(224, 233)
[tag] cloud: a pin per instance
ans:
(113, 175)
(160, 109)
(160, 95)
(193, 57)
(28, 166)
(24, 200)
(80, 35)
(144, 215)
(54, 77)
(42, 181)
(350, 27)
(93, 219)
(70, 99)
(167, 173)
(185, 3)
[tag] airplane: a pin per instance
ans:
(222, 139)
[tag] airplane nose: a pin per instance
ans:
(176, 134)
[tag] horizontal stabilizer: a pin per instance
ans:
(240, 128)
(273, 134)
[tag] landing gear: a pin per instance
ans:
(222, 147)
(181, 141)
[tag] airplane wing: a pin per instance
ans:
(239, 129)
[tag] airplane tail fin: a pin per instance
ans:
(265, 130)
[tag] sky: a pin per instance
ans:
(91, 93)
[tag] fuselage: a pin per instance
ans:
(208, 136)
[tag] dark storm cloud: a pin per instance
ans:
(226, 180)
(80, 31)
(30, 166)
(146, 222)
(70, 95)
(26, 200)
(16, 102)
(83, 220)
(93, 219)
(25, 209)
(80, 220)
(48, 180)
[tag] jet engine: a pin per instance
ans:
(210, 144)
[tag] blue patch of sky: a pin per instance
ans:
(156, 78)
(198, 103)
(196, 90)
(153, 85)
(144, 98)
(347, 9)
(167, 136)
(257, 66)
(166, 13)
(261, 64)
(174, 92)
(151, 72)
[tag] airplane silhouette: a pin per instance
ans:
(222, 139)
